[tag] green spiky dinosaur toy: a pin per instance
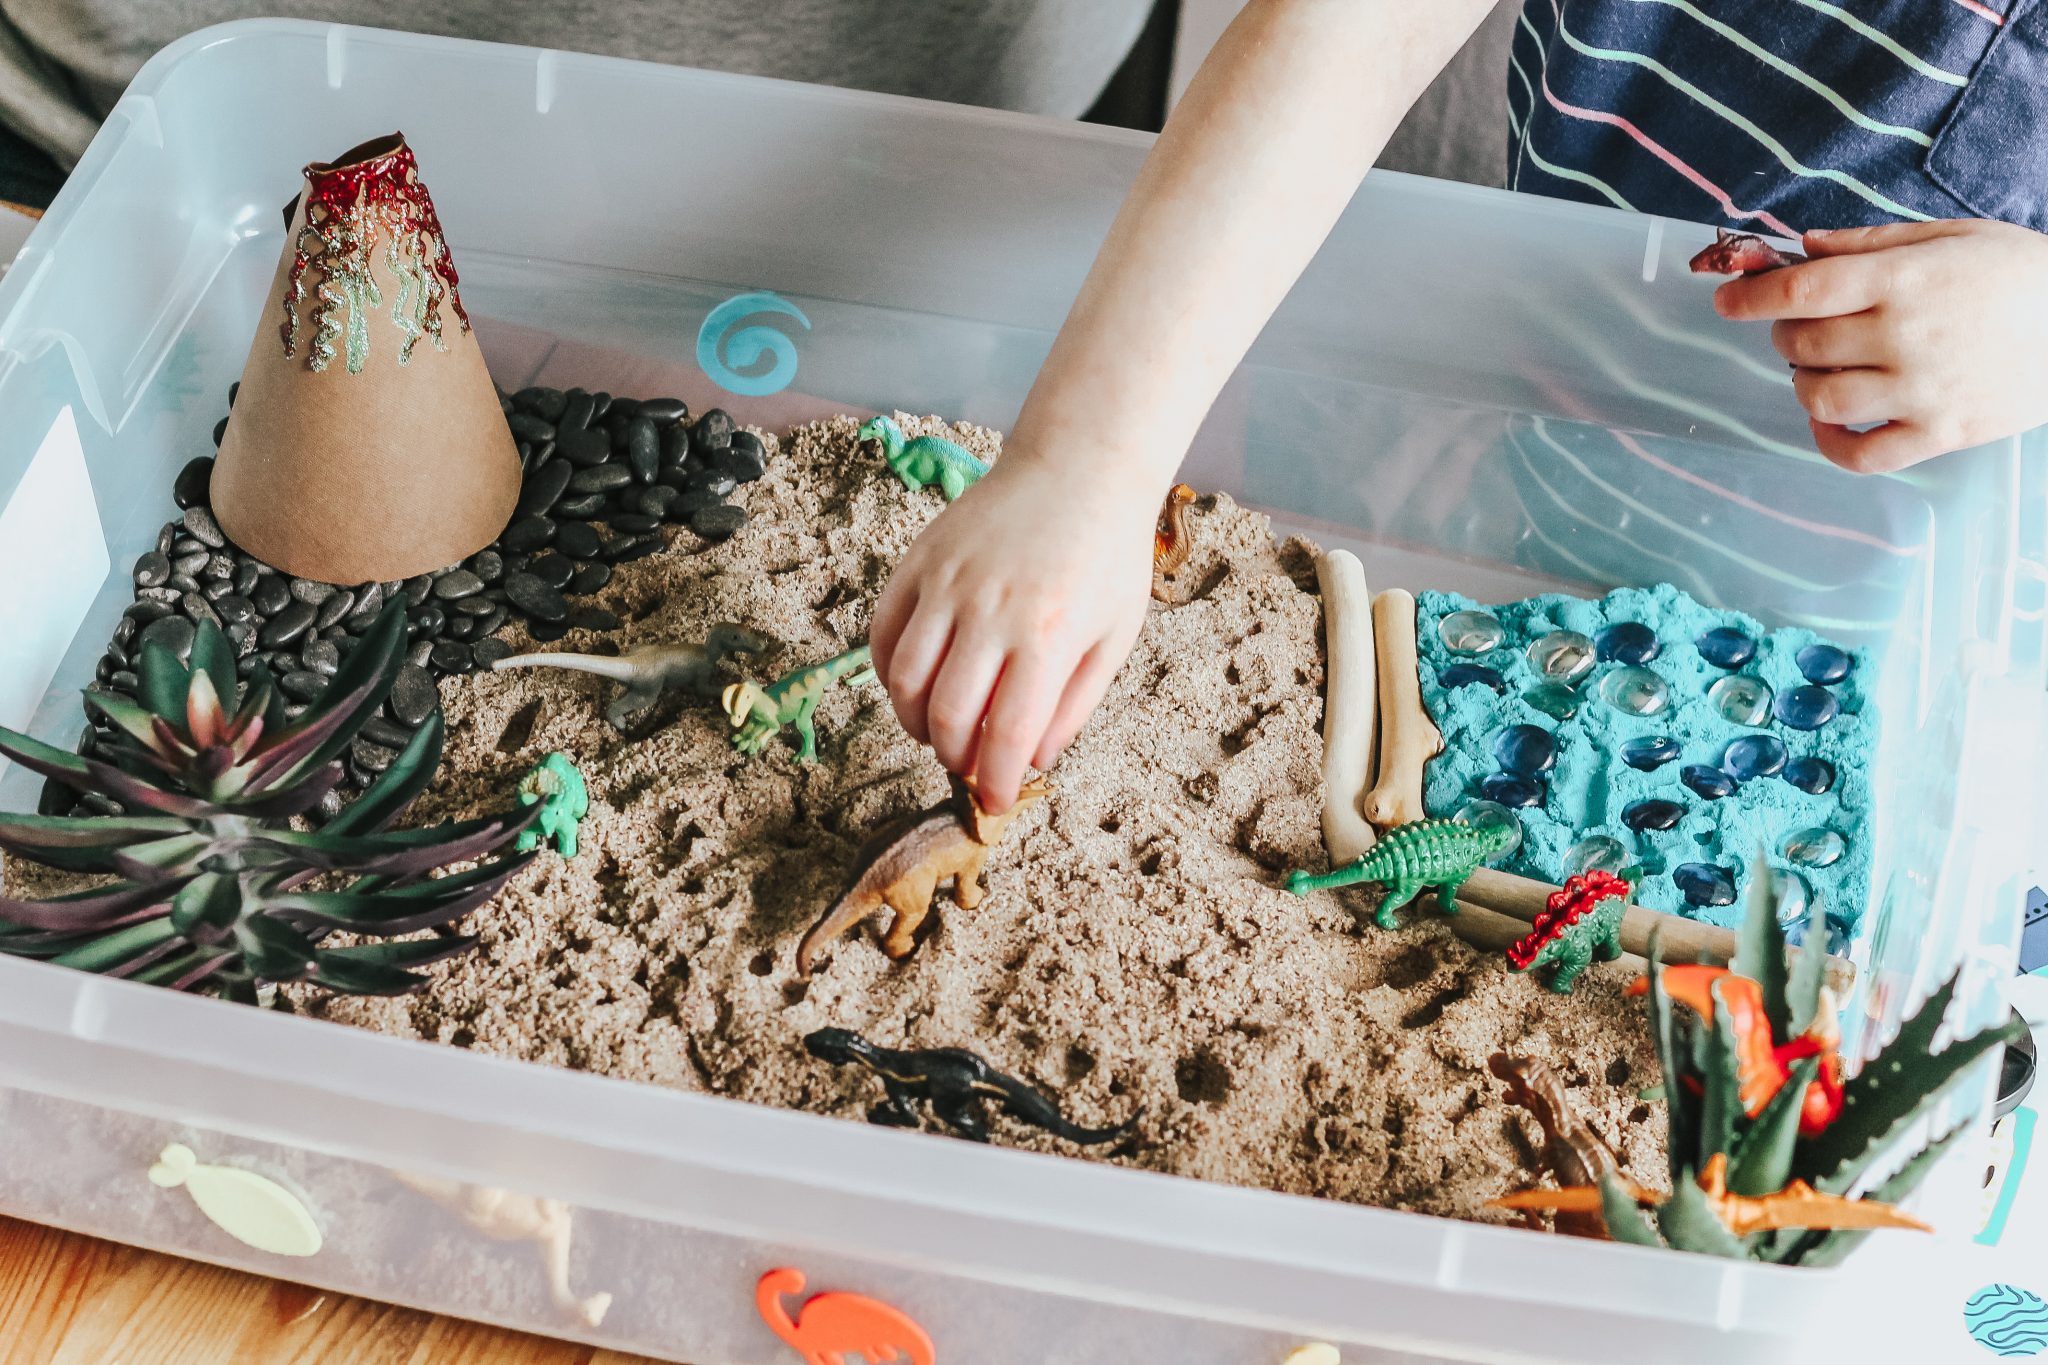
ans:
(924, 460)
(1580, 925)
(757, 712)
(1413, 858)
(557, 788)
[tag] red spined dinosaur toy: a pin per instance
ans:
(1740, 253)
(1763, 1064)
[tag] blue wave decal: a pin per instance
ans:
(2007, 1320)
(724, 349)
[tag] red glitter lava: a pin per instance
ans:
(373, 194)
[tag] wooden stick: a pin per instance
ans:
(1349, 716)
(1408, 737)
(1521, 899)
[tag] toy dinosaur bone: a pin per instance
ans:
(902, 866)
(1408, 737)
(1573, 1154)
(1762, 1064)
(651, 670)
(758, 711)
(1740, 253)
(924, 460)
(1171, 542)
(1580, 925)
(1798, 1205)
(508, 1216)
(1413, 858)
(1349, 717)
(957, 1085)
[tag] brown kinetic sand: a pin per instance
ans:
(1133, 949)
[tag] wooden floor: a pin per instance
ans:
(70, 1300)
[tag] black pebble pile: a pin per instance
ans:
(601, 477)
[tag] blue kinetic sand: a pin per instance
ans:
(1592, 784)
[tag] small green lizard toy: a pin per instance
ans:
(1411, 859)
(757, 712)
(1580, 925)
(558, 789)
(924, 460)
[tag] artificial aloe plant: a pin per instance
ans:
(1770, 1142)
(212, 887)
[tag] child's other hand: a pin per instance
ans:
(1937, 330)
(1003, 625)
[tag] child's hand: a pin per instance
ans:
(1003, 625)
(1937, 330)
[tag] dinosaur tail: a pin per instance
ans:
(617, 669)
(1035, 1106)
(768, 1296)
(1301, 883)
(849, 910)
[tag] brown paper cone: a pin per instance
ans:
(366, 442)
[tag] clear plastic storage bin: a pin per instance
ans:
(1475, 391)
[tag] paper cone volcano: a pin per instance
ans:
(367, 441)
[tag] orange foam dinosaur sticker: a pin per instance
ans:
(839, 1329)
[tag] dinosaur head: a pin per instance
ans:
(727, 638)
(740, 699)
(839, 1046)
(879, 429)
(987, 828)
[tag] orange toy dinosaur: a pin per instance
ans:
(1762, 1064)
(902, 866)
(1171, 544)
(839, 1329)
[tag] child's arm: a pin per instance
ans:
(1937, 330)
(1004, 623)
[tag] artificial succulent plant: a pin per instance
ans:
(1771, 1142)
(210, 885)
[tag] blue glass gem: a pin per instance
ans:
(1754, 756)
(1603, 852)
(1741, 699)
(1627, 642)
(1634, 691)
(1491, 815)
(1525, 750)
(1823, 664)
(1711, 783)
(1795, 899)
(1813, 775)
(1816, 847)
(1649, 753)
(1554, 700)
(1704, 884)
(1470, 632)
(1453, 676)
(1655, 813)
(1562, 656)
(1807, 708)
(1511, 791)
(1726, 647)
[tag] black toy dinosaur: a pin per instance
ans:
(956, 1084)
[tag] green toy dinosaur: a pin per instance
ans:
(1580, 925)
(557, 788)
(1411, 859)
(758, 712)
(925, 460)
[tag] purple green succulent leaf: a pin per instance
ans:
(133, 720)
(163, 682)
(178, 855)
(100, 908)
(212, 900)
(379, 968)
(398, 785)
(398, 853)
(357, 690)
(80, 843)
(282, 801)
(401, 909)
(123, 951)
(213, 659)
(274, 950)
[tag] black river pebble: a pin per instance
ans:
(718, 523)
(287, 626)
(590, 578)
(713, 429)
(529, 428)
(488, 652)
(601, 479)
(580, 446)
(553, 570)
(745, 459)
(413, 695)
(545, 488)
(152, 570)
(302, 685)
(199, 521)
(321, 656)
(535, 598)
(458, 584)
(528, 534)
(310, 592)
(577, 540)
(643, 449)
(193, 482)
(173, 633)
(335, 609)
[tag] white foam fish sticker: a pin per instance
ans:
(253, 1209)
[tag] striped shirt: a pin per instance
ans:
(1781, 115)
